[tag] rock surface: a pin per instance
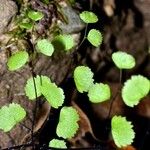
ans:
(8, 9)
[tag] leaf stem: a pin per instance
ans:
(114, 97)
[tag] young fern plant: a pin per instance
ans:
(41, 85)
(30, 18)
(133, 91)
(97, 92)
(94, 36)
(138, 86)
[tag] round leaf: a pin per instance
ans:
(95, 37)
(45, 47)
(35, 15)
(66, 112)
(123, 60)
(67, 130)
(67, 126)
(7, 122)
(99, 93)
(53, 94)
(83, 77)
(10, 116)
(17, 112)
(57, 143)
(88, 17)
(122, 131)
(17, 60)
(135, 89)
(63, 42)
(30, 87)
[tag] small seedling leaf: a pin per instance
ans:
(122, 131)
(88, 17)
(66, 112)
(135, 89)
(45, 47)
(10, 116)
(123, 60)
(17, 60)
(55, 143)
(95, 37)
(63, 42)
(67, 126)
(83, 77)
(99, 93)
(53, 94)
(27, 26)
(67, 130)
(17, 111)
(35, 15)
(30, 90)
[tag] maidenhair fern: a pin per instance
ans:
(83, 77)
(99, 93)
(95, 37)
(135, 89)
(123, 60)
(17, 60)
(88, 17)
(10, 116)
(55, 143)
(45, 47)
(122, 131)
(67, 125)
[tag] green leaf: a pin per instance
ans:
(67, 126)
(27, 26)
(53, 94)
(67, 130)
(123, 60)
(17, 112)
(122, 131)
(30, 87)
(45, 47)
(57, 143)
(66, 112)
(46, 1)
(83, 77)
(135, 89)
(63, 42)
(10, 116)
(17, 60)
(35, 15)
(99, 93)
(95, 37)
(88, 17)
